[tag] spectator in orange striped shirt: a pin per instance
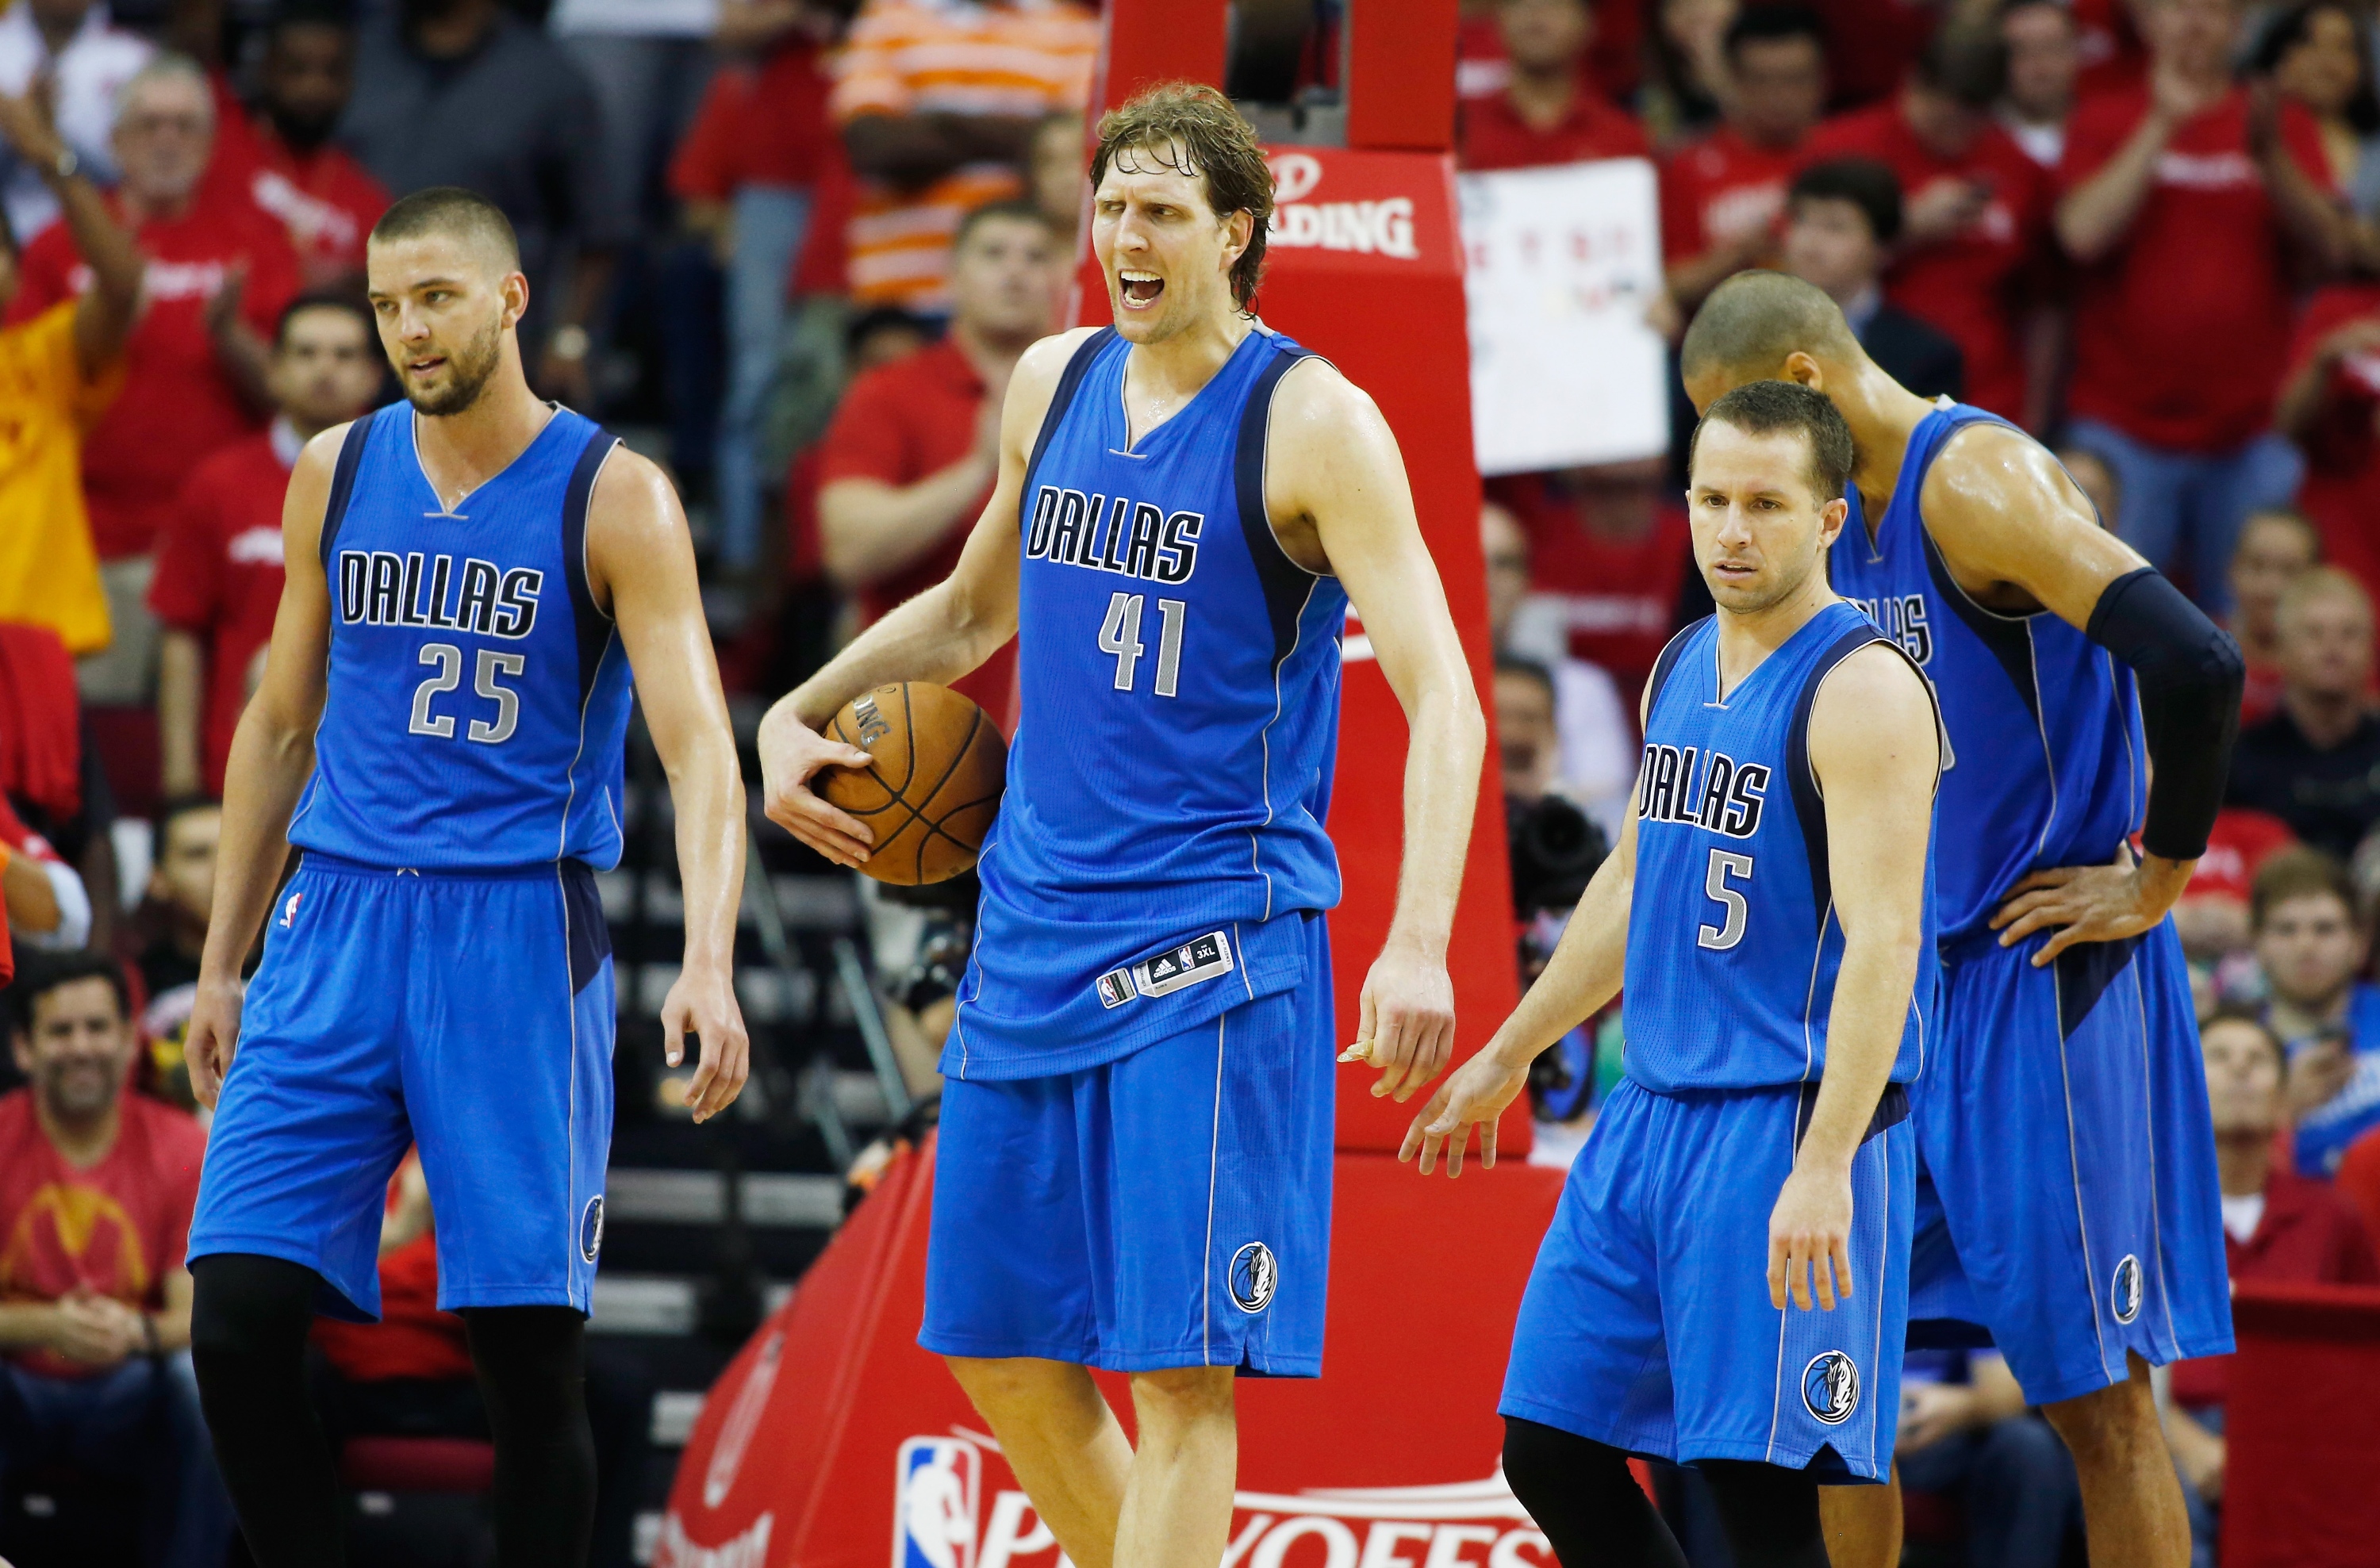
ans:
(938, 102)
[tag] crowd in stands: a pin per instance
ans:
(795, 247)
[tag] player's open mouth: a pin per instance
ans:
(423, 367)
(1141, 289)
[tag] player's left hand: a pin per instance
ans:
(1405, 1024)
(702, 1003)
(2090, 903)
(1810, 1233)
(1476, 1095)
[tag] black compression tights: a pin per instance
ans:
(1581, 1495)
(248, 1325)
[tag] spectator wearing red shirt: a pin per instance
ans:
(218, 274)
(749, 170)
(2330, 407)
(908, 464)
(1545, 114)
(1721, 196)
(97, 1185)
(219, 564)
(283, 159)
(1976, 212)
(2045, 61)
(1609, 547)
(2186, 207)
(2277, 1227)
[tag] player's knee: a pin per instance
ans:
(1178, 1397)
(245, 1307)
(2108, 1425)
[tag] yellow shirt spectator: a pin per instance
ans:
(49, 573)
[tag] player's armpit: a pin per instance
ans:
(2006, 517)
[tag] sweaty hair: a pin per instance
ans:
(450, 212)
(1017, 211)
(1867, 185)
(1762, 408)
(1965, 62)
(1753, 321)
(2300, 872)
(1191, 128)
(344, 301)
(1774, 24)
(39, 973)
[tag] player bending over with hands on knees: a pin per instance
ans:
(1725, 1282)
(441, 728)
(2063, 1127)
(1133, 1166)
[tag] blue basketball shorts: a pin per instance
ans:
(1167, 1208)
(472, 1013)
(2070, 1205)
(1647, 1325)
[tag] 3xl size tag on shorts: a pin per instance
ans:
(1201, 958)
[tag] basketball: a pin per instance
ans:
(935, 787)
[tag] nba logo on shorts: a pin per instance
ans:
(290, 909)
(2124, 1289)
(934, 1502)
(1830, 1387)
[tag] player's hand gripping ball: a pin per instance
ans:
(933, 788)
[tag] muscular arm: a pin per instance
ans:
(640, 564)
(2016, 533)
(1333, 463)
(939, 636)
(181, 680)
(1877, 753)
(271, 754)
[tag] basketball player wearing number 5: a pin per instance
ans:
(1134, 1166)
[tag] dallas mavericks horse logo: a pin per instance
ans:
(1254, 1274)
(2124, 1290)
(1830, 1387)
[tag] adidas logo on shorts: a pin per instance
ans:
(1200, 959)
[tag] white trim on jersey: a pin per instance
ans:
(2074, 1160)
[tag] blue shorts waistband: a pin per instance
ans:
(340, 866)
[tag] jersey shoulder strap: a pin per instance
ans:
(1069, 382)
(343, 482)
(1666, 662)
(1286, 584)
(593, 626)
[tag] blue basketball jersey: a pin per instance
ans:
(1733, 942)
(2043, 760)
(478, 700)
(1160, 841)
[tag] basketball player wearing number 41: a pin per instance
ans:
(1134, 1165)
(2068, 1200)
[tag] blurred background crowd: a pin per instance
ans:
(792, 248)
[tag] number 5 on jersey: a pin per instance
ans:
(1725, 864)
(449, 661)
(1120, 635)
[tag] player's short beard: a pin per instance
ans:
(468, 369)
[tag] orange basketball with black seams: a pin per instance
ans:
(934, 788)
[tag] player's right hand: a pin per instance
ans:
(1810, 1234)
(212, 1036)
(1476, 1094)
(791, 755)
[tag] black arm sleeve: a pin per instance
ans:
(2190, 674)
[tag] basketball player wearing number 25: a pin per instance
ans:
(1134, 1166)
(1725, 1282)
